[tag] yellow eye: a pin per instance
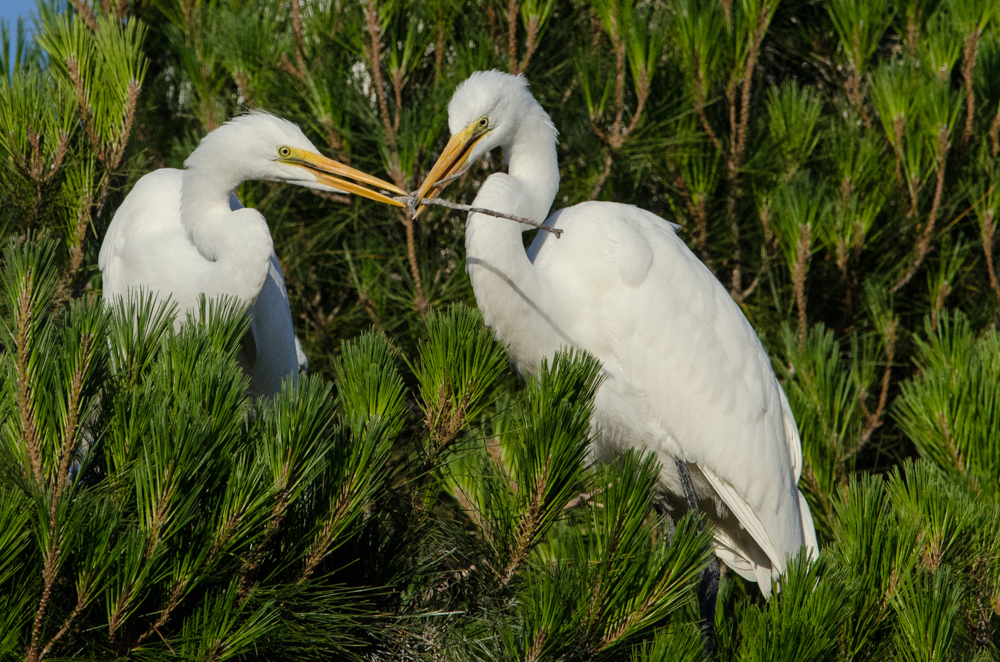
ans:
(484, 122)
(284, 152)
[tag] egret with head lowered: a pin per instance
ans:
(685, 375)
(181, 234)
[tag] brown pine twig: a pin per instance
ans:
(699, 103)
(439, 41)
(968, 64)
(512, 36)
(799, 279)
(739, 132)
(995, 135)
(988, 229)
(531, 42)
(325, 537)
(854, 83)
(873, 421)
(25, 394)
(529, 527)
(619, 133)
(53, 553)
(81, 602)
(49, 571)
(373, 52)
(736, 278)
(924, 244)
(248, 569)
(84, 106)
(86, 13)
(603, 177)
(84, 358)
(299, 40)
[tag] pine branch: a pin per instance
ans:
(924, 244)
(738, 132)
(512, 36)
(799, 280)
(873, 420)
(988, 229)
(299, 41)
(25, 393)
(527, 531)
(968, 64)
(995, 135)
(374, 56)
(86, 13)
(699, 105)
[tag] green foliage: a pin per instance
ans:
(950, 409)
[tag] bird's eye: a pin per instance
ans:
(284, 152)
(484, 122)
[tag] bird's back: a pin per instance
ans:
(147, 246)
(686, 374)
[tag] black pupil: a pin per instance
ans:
(483, 122)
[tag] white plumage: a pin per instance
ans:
(182, 233)
(686, 376)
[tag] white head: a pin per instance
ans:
(259, 145)
(490, 109)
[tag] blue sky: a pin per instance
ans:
(11, 9)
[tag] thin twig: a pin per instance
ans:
(738, 143)
(699, 102)
(923, 245)
(874, 420)
(995, 135)
(299, 41)
(968, 64)
(410, 201)
(988, 229)
(799, 277)
(512, 36)
(531, 42)
(373, 50)
(85, 13)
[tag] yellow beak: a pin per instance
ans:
(453, 160)
(324, 170)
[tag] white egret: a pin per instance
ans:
(686, 376)
(183, 233)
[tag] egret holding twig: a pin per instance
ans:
(183, 233)
(685, 375)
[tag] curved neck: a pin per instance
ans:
(236, 244)
(509, 293)
(532, 161)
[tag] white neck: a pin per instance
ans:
(509, 293)
(236, 244)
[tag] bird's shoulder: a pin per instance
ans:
(615, 245)
(659, 319)
(154, 198)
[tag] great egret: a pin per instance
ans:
(685, 374)
(183, 233)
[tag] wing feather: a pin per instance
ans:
(693, 379)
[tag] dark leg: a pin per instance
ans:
(708, 585)
(669, 526)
